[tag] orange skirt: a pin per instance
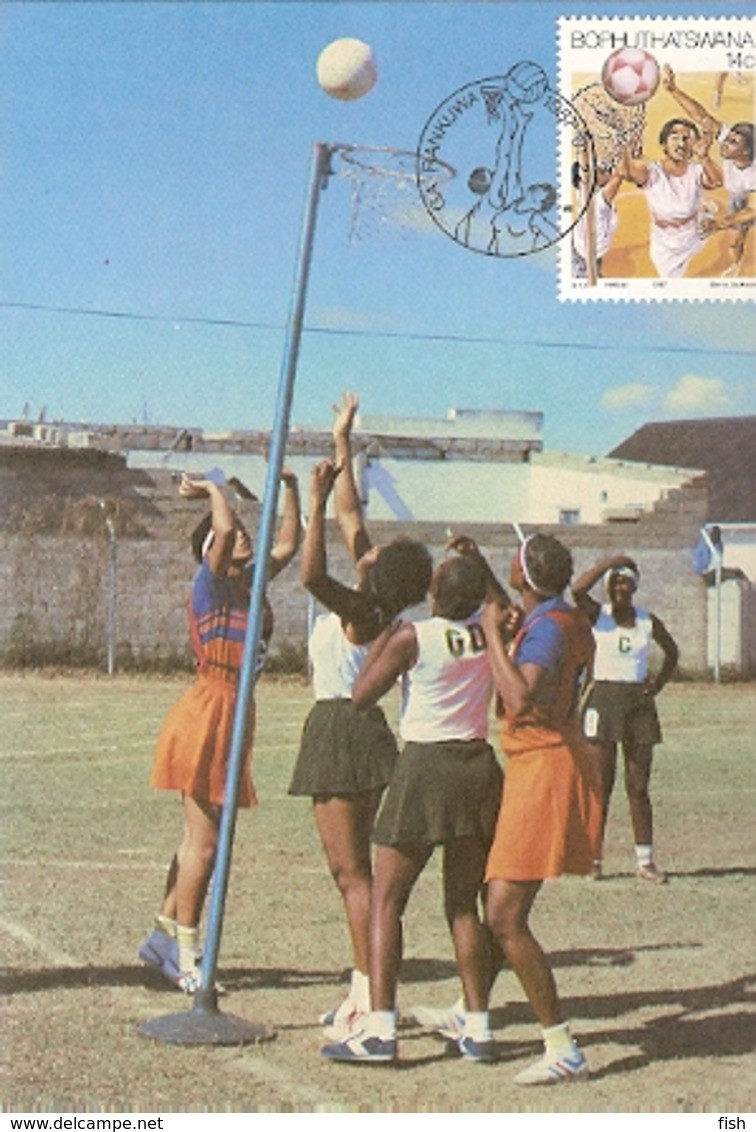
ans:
(549, 822)
(194, 744)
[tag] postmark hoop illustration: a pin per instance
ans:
(501, 133)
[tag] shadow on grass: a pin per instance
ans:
(677, 1037)
(418, 970)
(730, 871)
(709, 1021)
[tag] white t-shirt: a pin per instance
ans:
(447, 693)
(622, 650)
(738, 182)
(673, 199)
(674, 204)
(605, 222)
(335, 660)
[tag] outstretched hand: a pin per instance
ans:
(464, 545)
(502, 620)
(323, 478)
(702, 145)
(345, 414)
(193, 488)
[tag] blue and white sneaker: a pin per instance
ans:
(158, 947)
(550, 1070)
(477, 1049)
(161, 951)
(361, 1046)
(447, 1022)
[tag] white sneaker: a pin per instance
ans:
(340, 1023)
(550, 1070)
(447, 1022)
(650, 873)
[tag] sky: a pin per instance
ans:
(156, 161)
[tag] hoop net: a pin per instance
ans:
(611, 125)
(385, 188)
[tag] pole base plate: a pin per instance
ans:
(202, 1027)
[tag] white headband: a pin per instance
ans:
(623, 572)
(524, 564)
(209, 540)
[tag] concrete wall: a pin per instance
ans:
(60, 567)
(54, 590)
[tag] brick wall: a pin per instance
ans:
(55, 582)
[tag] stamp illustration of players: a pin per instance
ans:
(738, 171)
(674, 222)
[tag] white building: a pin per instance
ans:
(468, 467)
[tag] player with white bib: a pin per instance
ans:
(445, 791)
(620, 706)
(346, 757)
(674, 191)
(603, 217)
(738, 171)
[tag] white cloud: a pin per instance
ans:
(629, 396)
(694, 394)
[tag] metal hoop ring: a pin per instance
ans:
(370, 160)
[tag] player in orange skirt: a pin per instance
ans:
(194, 741)
(550, 818)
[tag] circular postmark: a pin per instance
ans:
(502, 134)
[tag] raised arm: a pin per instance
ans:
(695, 111)
(393, 652)
(712, 174)
(346, 500)
(586, 581)
(634, 168)
(612, 186)
(223, 522)
(349, 604)
(464, 545)
(514, 686)
(290, 529)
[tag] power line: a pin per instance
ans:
(602, 347)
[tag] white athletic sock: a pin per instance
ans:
(165, 924)
(558, 1039)
(359, 990)
(644, 854)
(382, 1023)
(188, 945)
(478, 1025)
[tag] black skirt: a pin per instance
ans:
(343, 751)
(621, 713)
(440, 792)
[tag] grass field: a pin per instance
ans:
(659, 981)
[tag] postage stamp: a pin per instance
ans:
(656, 165)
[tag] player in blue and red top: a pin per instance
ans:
(194, 741)
(550, 817)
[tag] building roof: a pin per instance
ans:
(725, 447)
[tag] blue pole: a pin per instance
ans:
(206, 997)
